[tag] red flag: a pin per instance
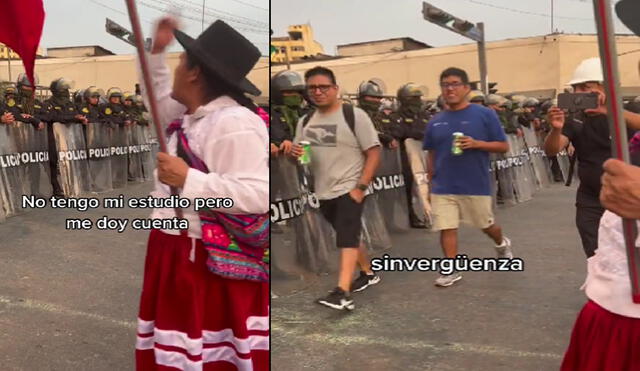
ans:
(21, 29)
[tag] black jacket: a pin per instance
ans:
(113, 114)
(18, 109)
(62, 112)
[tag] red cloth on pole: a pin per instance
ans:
(21, 29)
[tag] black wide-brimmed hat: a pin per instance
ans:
(224, 52)
(629, 13)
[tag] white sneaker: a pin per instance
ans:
(504, 250)
(448, 280)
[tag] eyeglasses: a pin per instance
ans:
(453, 85)
(323, 88)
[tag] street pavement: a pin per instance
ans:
(488, 321)
(69, 299)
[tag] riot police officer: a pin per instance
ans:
(141, 111)
(531, 119)
(130, 107)
(370, 96)
(89, 105)
(60, 107)
(113, 112)
(412, 122)
(23, 105)
(508, 118)
(477, 97)
(287, 98)
(7, 117)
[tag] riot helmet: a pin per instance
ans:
(9, 92)
(476, 96)
(370, 89)
(60, 87)
(517, 100)
(530, 103)
(25, 88)
(408, 91)
(91, 95)
(288, 81)
(370, 96)
(410, 98)
(287, 88)
(129, 99)
(114, 93)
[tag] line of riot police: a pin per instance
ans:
(90, 105)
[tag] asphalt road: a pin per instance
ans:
(69, 299)
(489, 321)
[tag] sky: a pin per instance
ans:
(82, 22)
(337, 22)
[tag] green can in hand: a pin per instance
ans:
(455, 146)
(305, 158)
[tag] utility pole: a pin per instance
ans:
(464, 28)
(203, 1)
(286, 51)
(551, 16)
(9, 62)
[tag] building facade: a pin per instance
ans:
(531, 64)
(381, 46)
(299, 44)
(108, 71)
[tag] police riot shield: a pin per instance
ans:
(134, 160)
(388, 188)
(502, 166)
(119, 151)
(72, 159)
(146, 151)
(523, 182)
(301, 239)
(375, 235)
(35, 157)
(11, 172)
(99, 154)
(564, 161)
(418, 163)
(537, 158)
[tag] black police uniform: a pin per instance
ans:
(591, 139)
(409, 125)
(114, 114)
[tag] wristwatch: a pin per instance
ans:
(362, 187)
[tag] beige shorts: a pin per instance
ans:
(449, 210)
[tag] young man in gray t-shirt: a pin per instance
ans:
(343, 163)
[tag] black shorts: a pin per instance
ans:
(345, 215)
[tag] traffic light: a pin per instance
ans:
(433, 14)
(120, 32)
(462, 26)
(446, 20)
(492, 86)
(115, 29)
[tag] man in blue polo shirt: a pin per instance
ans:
(460, 183)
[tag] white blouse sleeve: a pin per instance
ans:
(240, 159)
(168, 108)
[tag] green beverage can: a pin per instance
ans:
(305, 158)
(455, 147)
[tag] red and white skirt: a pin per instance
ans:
(603, 341)
(191, 319)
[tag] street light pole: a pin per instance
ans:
(9, 62)
(203, 1)
(482, 58)
(464, 28)
(551, 16)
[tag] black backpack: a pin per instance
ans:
(348, 112)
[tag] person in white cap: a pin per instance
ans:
(588, 131)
